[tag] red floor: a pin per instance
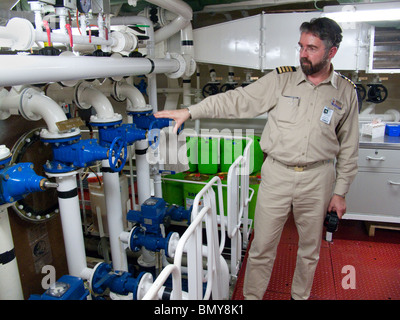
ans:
(376, 262)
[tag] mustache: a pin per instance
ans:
(302, 60)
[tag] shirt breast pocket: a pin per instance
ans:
(329, 123)
(288, 109)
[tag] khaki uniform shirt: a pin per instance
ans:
(306, 123)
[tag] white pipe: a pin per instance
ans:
(150, 46)
(130, 92)
(71, 222)
(33, 105)
(10, 288)
(88, 96)
(371, 117)
(142, 171)
(131, 20)
(184, 12)
(18, 69)
(114, 217)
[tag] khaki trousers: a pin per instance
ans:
(281, 191)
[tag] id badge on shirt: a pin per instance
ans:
(326, 115)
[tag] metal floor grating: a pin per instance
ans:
(376, 262)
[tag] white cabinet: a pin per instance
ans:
(375, 193)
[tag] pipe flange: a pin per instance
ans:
(24, 31)
(115, 118)
(190, 65)
(115, 94)
(47, 135)
(182, 66)
(4, 114)
(172, 244)
(117, 56)
(132, 233)
(124, 42)
(68, 83)
(146, 281)
(26, 95)
(25, 208)
(79, 88)
(146, 108)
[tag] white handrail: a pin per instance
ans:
(188, 243)
(239, 196)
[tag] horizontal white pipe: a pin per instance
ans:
(383, 117)
(77, 39)
(30, 69)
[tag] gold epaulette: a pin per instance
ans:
(285, 69)
(351, 82)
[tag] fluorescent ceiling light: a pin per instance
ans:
(364, 13)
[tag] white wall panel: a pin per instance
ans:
(267, 41)
(234, 43)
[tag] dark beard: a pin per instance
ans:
(309, 68)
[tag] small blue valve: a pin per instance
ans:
(17, 181)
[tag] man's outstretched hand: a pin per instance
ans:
(179, 116)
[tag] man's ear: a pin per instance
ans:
(332, 52)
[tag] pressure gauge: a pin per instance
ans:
(84, 5)
(57, 289)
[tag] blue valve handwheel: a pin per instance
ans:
(117, 147)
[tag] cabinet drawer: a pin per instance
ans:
(375, 193)
(379, 158)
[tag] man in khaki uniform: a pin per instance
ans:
(312, 121)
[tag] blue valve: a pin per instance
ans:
(17, 181)
(154, 213)
(140, 237)
(117, 137)
(66, 288)
(119, 282)
(146, 120)
(71, 154)
(127, 132)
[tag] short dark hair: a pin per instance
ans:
(324, 28)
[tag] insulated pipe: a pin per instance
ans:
(112, 192)
(10, 288)
(17, 70)
(70, 214)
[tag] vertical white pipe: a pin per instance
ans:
(10, 288)
(142, 171)
(71, 222)
(112, 192)
(99, 101)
